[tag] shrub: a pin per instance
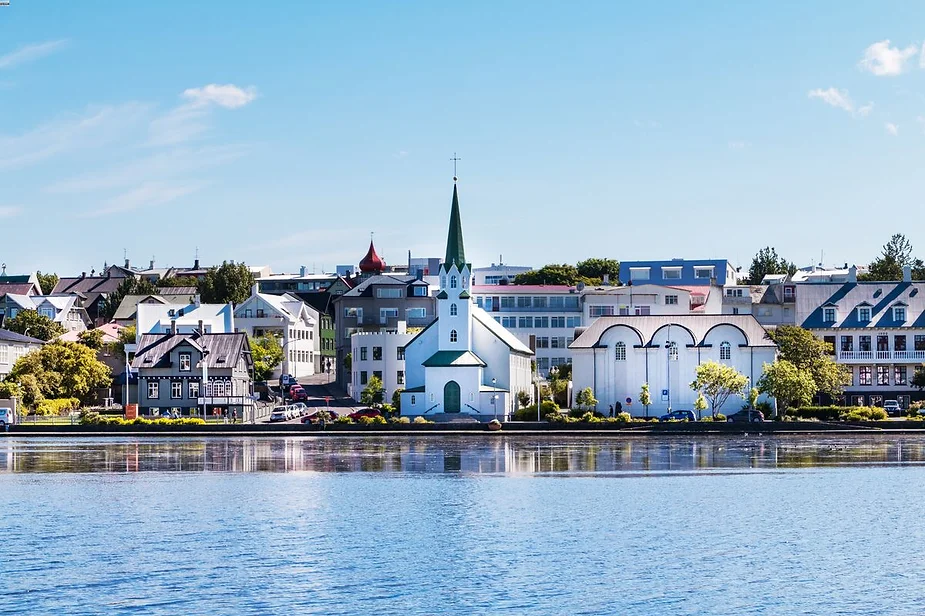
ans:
(59, 406)
(591, 417)
(765, 407)
(371, 421)
(624, 417)
(579, 413)
(399, 420)
(422, 420)
(720, 417)
(557, 417)
(528, 413)
(865, 413)
(822, 413)
(95, 419)
(343, 419)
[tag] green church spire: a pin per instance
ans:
(455, 250)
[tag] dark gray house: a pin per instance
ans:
(378, 304)
(173, 367)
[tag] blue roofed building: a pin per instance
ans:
(683, 272)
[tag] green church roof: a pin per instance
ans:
(455, 359)
(455, 250)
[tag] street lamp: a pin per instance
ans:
(494, 398)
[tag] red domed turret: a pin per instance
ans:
(372, 263)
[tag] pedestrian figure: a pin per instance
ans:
(225, 415)
(234, 416)
(611, 410)
(618, 407)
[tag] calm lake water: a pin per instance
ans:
(470, 525)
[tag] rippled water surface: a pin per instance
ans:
(469, 525)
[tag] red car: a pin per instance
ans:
(298, 395)
(364, 413)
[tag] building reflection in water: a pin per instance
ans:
(483, 454)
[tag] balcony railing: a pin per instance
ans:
(868, 356)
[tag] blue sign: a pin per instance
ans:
(664, 392)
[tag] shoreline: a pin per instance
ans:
(509, 429)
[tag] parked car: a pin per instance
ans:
(746, 415)
(298, 394)
(300, 407)
(892, 407)
(280, 413)
(6, 416)
(679, 416)
(364, 413)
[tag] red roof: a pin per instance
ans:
(501, 289)
(372, 262)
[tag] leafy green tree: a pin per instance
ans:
(396, 400)
(918, 377)
(767, 262)
(268, 354)
(47, 282)
(230, 282)
(31, 323)
(374, 393)
(790, 385)
(753, 394)
(348, 362)
(128, 286)
(895, 254)
(126, 336)
(716, 382)
(555, 274)
(586, 399)
(812, 355)
(31, 392)
(9, 389)
(178, 281)
(645, 398)
(63, 370)
(700, 405)
(92, 338)
(595, 269)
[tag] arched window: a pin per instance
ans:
(413, 400)
(672, 350)
(453, 310)
(620, 351)
(725, 350)
(454, 336)
(453, 282)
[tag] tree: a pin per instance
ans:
(47, 282)
(918, 377)
(716, 382)
(767, 262)
(128, 286)
(812, 355)
(645, 398)
(555, 274)
(268, 355)
(374, 393)
(396, 400)
(348, 362)
(63, 370)
(895, 254)
(753, 394)
(791, 386)
(596, 268)
(92, 338)
(9, 389)
(586, 399)
(700, 405)
(31, 323)
(31, 394)
(126, 336)
(177, 281)
(230, 282)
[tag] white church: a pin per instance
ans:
(464, 363)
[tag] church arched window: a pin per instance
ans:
(672, 350)
(725, 350)
(453, 282)
(443, 282)
(620, 351)
(454, 337)
(453, 310)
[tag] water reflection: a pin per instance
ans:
(452, 454)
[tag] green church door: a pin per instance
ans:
(451, 397)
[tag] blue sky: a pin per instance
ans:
(284, 136)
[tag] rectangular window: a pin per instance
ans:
(507, 302)
(260, 313)
(573, 322)
(557, 342)
(600, 311)
(542, 364)
(390, 293)
(364, 377)
(185, 362)
(863, 314)
(176, 390)
(400, 377)
(387, 313)
(899, 375)
(540, 322)
(542, 342)
(864, 343)
(4, 354)
(864, 374)
(883, 342)
(639, 273)
(416, 313)
(671, 273)
(419, 291)
(377, 353)
(153, 392)
(847, 343)
(400, 353)
(671, 300)
(557, 321)
(377, 374)
(919, 342)
(193, 389)
(525, 322)
(354, 312)
(509, 322)
(523, 301)
(899, 343)
(539, 302)
(899, 314)
(363, 353)
(642, 311)
(830, 342)
(556, 303)
(703, 272)
(828, 315)
(883, 375)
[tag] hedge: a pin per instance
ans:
(59, 406)
(835, 413)
(528, 413)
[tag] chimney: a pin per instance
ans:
(173, 327)
(127, 263)
(419, 274)
(201, 331)
(197, 300)
(151, 266)
(83, 274)
(853, 273)
(196, 264)
(907, 273)
(606, 280)
(302, 271)
(255, 290)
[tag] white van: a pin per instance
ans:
(6, 416)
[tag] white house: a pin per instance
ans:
(464, 363)
(295, 322)
(615, 356)
(380, 354)
(64, 310)
(12, 347)
(497, 274)
(184, 319)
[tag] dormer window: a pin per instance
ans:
(899, 314)
(864, 314)
(829, 314)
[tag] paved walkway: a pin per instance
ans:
(318, 386)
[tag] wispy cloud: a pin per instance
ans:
(891, 128)
(228, 96)
(885, 61)
(738, 145)
(148, 194)
(9, 211)
(95, 127)
(28, 53)
(840, 99)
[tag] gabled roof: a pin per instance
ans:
(222, 350)
(365, 288)
(880, 296)
(8, 336)
(454, 359)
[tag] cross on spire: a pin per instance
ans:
(455, 159)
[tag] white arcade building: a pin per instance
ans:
(464, 363)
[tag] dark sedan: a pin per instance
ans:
(678, 416)
(746, 416)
